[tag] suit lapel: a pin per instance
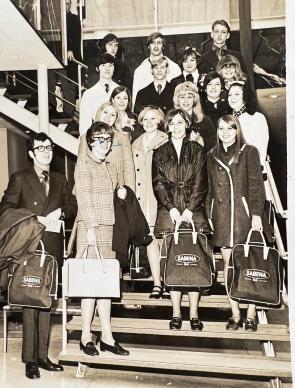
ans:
(36, 186)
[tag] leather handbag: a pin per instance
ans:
(91, 277)
(34, 282)
(255, 273)
(189, 260)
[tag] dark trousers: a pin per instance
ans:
(35, 334)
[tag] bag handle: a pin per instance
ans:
(98, 255)
(247, 246)
(176, 232)
(43, 255)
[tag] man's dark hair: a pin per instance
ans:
(41, 136)
(223, 22)
(153, 37)
(103, 59)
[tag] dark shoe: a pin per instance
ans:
(116, 348)
(232, 324)
(32, 370)
(251, 324)
(46, 364)
(175, 323)
(196, 324)
(89, 349)
(156, 293)
(165, 293)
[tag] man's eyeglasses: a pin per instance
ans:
(102, 140)
(229, 66)
(43, 148)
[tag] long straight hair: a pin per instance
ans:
(233, 121)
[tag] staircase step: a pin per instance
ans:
(126, 276)
(179, 360)
(269, 332)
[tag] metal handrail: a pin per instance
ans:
(274, 192)
(35, 90)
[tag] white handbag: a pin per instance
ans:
(91, 277)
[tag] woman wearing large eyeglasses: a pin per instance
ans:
(230, 69)
(96, 181)
(180, 186)
(235, 200)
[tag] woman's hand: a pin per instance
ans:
(91, 236)
(187, 215)
(122, 192)
(196, 137)
(256, 223)
(175, 216)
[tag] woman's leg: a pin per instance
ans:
(251, 312)
(226, 252)
(153, 253)
(87, 311)
(194, 298)
(104, 312)
(176, 301)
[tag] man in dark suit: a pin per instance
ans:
(220, 34)
(46, 193)
(159, 92)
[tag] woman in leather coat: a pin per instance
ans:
(180, 185)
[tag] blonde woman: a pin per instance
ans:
(121, 154)
(186, 97)
(229, 68)
(151, 118)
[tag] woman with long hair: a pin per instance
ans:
(253, 123)
(186, 97)
(229, 68)
(127, 121)
(235, 200)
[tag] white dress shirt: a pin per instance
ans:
(91, 100)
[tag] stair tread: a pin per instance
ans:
(186, 360)
(273, 332)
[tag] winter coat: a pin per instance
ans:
(181, 184)
(236, 192)
(130, 225)
(143, 174)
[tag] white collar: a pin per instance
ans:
(195, 75)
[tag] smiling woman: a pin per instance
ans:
(180, 186)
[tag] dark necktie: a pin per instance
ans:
(189, 77)
(45, 181)
(159, 88)
(107, 87)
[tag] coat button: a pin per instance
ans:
(35, 203)
(219, 168)
(219, 200)
(138, 198)
(136, 155)
(138, 184)
(219, 184)
(137, 169)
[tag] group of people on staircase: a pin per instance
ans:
(192, 147)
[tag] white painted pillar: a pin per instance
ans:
(43, 99)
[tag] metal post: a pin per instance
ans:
(43, 98)
(156, 15)
(64, 32)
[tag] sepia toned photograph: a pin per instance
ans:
(146, 193)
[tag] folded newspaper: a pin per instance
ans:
(51, 225)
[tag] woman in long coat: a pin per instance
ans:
(151, 119)
(96, 182)
(235, 199)
(180, 186)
